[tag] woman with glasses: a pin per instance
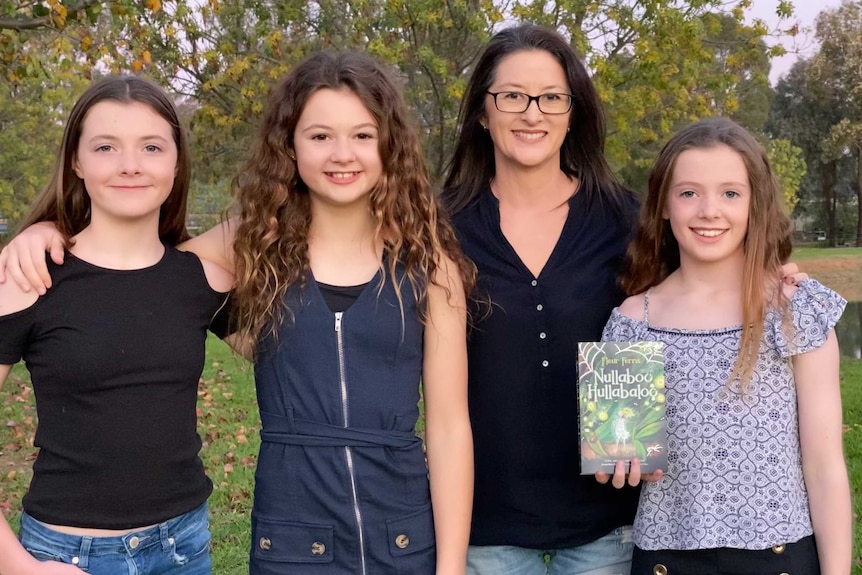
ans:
(537, 209)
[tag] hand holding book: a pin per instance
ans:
(633, 477)
(621, 389)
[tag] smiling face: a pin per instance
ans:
(707, 204)
(336, 145)
(530, 139)
(127, 158)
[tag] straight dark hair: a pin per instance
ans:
(65, 200)
(582, 154)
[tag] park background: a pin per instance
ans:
(657, 64)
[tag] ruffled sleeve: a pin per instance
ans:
(814, 309)
(622, 328)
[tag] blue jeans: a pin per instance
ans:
(179, 546)
(609, 555)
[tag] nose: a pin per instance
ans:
(130, 163)
(708, 207)
(533, 114)
(342, 151)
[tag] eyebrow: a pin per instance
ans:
(507, 86)
(366, 125)
(111, 138)
(722, 184)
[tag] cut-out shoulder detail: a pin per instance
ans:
(218, 278)
(13, 299)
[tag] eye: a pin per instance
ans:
(552, 97)
(365, 136)
(152, 148)
(104, 148)
(319, 137)
(686, 194)
(514, 96)
(731, 194)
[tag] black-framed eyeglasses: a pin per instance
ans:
(519, 102)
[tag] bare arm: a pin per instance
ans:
(214, 245)
(820, 434)
(449, 438)
(24, 257)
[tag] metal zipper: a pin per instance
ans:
(347, 451)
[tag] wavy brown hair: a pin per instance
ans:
(65, 200)
(654, 252)
(271, 241)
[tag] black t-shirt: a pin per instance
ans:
(115, 358)
(523, 373)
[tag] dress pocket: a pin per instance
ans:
(292, 542)
(411, 533)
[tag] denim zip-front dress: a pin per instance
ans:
(341, 482)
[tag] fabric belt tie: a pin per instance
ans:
(294, 431)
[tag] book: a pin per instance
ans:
(621, 400)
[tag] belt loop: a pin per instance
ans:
(83, 553)
(165, 536)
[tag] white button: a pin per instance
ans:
(545, 363)
(539, 307)
(134, 542)
(534, 283)
(75, 560)
(543, 335)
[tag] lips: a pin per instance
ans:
(342, 175)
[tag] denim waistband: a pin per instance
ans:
(131, 543)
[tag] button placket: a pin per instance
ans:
(542, 328)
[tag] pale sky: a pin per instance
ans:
(804, 13)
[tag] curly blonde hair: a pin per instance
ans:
(271, 241)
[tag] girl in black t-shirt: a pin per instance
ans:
(115, 350)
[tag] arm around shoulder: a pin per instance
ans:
(215, 244)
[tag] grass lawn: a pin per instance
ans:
(810, 253)
(229, 426)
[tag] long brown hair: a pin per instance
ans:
(65, 200)
(582, 153)
(654, 252)
(271, 241)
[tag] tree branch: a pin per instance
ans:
(21, 24)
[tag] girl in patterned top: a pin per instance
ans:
(755, 464)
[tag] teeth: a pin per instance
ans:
(342, 175)
(709, 233)
(530, 135)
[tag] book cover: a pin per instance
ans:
(622, 405)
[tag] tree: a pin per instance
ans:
(31, 116)
(803, 111)
(837, 67)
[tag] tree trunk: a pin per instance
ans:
(859, 197)
(827, 182)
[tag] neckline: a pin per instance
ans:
(362, 295)
(91, 265)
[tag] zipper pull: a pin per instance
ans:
(338, 321)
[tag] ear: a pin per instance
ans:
(76, 167)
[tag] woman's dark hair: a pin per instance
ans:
(582, 154)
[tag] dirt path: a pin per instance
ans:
(843, 274)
